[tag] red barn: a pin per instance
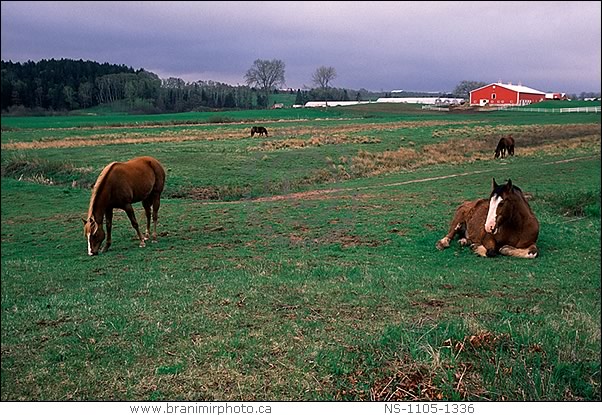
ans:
(499, 94)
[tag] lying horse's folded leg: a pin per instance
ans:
(487, 247)
(530, 252)
(478, 249)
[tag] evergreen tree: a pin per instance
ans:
(299, 98)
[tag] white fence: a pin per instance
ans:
(524, 109)
(434, 108)
(559, 110)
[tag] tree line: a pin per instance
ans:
(66, 85)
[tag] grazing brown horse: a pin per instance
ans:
(118, 186)
(259, 130)
(503, 224)
(506, 144)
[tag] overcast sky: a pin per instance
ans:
(379, 46)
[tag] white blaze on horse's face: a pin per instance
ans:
(89, 245)
(492, 213)
(94, 236)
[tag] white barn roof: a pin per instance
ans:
(515, 88)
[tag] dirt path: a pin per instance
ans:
(332, 193)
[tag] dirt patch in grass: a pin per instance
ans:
(409, 381)
(310, 195)
(110, 139)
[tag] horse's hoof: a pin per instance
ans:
(442, 244)
(480, 250)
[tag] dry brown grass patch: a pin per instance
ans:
(315, 141)
(406, 381)
(330, 134)
(373, 164)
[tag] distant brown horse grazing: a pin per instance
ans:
(506, 144)
(503, 224)
(259, 130)
(117, 187)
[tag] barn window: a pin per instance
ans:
(492, 96)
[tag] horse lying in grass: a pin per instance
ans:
(118, 186)
(503, 224)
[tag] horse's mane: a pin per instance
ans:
(97, 186)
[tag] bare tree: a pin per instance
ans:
(323, 76)
(463, 88)
(266, 75)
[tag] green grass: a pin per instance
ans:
(339, 295)
(92, 119)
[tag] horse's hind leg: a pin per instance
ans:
(147, 210)
(156, 204)
(130, 212)
(529, 253)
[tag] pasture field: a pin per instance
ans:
(301, 266)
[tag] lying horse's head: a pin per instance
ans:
(94, 234)
(501, 203)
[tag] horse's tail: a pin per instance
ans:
(159, 175)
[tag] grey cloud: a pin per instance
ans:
(373, 45)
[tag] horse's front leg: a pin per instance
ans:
(130, 212)
(457, 227)
(109, 216)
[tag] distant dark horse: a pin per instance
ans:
(505, 144)
(117, 187)
(503, 224)
(259, 130)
